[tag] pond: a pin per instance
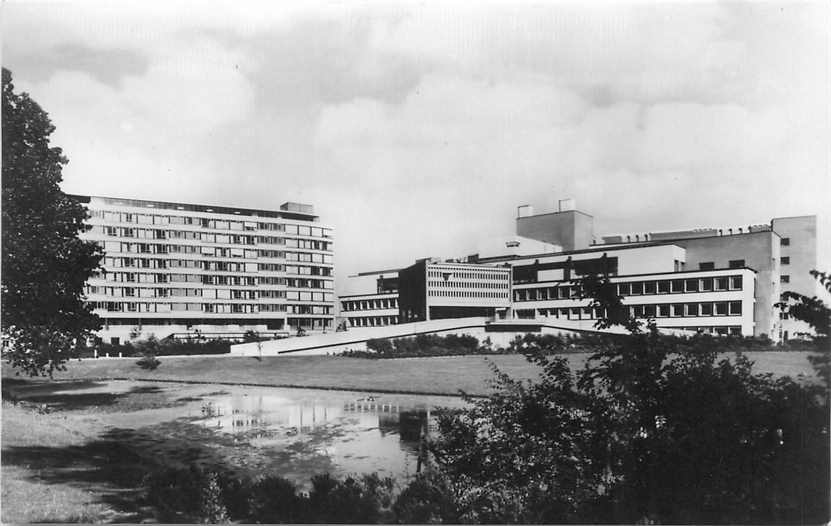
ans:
(343, 432)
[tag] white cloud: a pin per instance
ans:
(417, 127)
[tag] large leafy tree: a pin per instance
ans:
(653, 429)
(44, 263)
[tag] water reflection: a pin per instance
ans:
(350, 432)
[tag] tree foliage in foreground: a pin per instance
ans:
(44, 263)
(646, 432)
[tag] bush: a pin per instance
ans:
(149, 361)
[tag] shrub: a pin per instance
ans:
(149, 361)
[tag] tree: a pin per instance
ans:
(653, 429)
(44, 263)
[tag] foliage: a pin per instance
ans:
(654, 428)
(164, 347)
(44, 263)
(211, 508)
(149, 362)
(817, 315)
(213, 495)
(423, 345)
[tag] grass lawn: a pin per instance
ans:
(83, 461)
(435, 375)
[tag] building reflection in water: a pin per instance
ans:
(359, 433)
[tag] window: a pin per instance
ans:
(785, 278)
(735, 282)
(785, 242)
(735, 308)
(721, 308)
(663, 287)
(785, 260)
(706, 265)
(706, 309)
(663, 310)
(721, 283)
(691, 309)
(691, 285)
(736, 263)
(707, 284)
(677, 309)
(649, 287)
(678, 285)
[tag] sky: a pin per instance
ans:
(417, 128)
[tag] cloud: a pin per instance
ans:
(417, 128)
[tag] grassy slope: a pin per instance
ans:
(438, 375)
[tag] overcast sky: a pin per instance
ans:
(417, 128)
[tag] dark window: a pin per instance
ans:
(721, 283)
(677, 309)
(663, 287)
(691, 309)
(707, 284)
(663, 310)
(735, 308)
(706, 265)
(678, 285)
(735, 282)
(637, 288)
(649, 287)
(785, 242)
(785, 279)
(706, 309)
(649, 311)
(721, 309)
(736, 263)
(623, 289)
(691, 285)
(785, 260)
(115, 341)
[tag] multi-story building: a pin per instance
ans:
(432, 289)
(188, 269)
(724, 281)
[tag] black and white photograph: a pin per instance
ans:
(416, 262)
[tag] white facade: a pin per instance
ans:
(172, 268)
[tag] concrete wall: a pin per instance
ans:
(571, 230)
(801, 233)
(355, 339)
(760, 251)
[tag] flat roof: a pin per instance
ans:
(193, 207)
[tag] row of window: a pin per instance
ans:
(295, 295)
(661, 310)
(373, 304)
(637, 288)
(314, 324)
(317, 310)
(469, 285)
(213, 308)
(210, 279)
(467, 294)
(310, 283)
(446, 274)
(112, 247)
(373, 321)
(156, 292)
(216, 224)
